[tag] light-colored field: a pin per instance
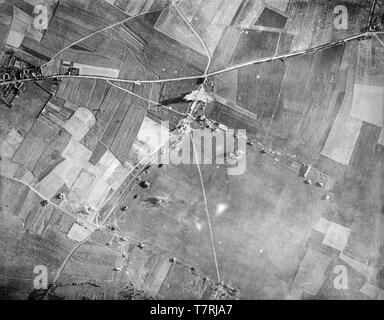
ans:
(342, 138)
(150, 137)
(19, 27)
(10, 144)
(381, 138)
(78, 232)
(96, 71)
(368, 104)
(279, 4)
(344, 134)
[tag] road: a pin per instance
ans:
(101, 30)
(210, 74)
(64, 263)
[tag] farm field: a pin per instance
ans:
(280, 187)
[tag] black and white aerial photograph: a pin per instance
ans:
(191, 150)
